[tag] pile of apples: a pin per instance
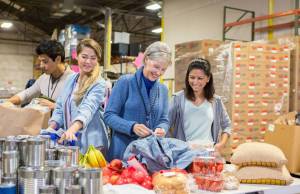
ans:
(116, 174)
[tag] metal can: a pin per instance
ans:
(22, 147)
(52, 164)
(49, 144)
(75, 155)
(91, 180)
(10, 163)
(8, 188)
(73, 189)
(48, 189)
(2, 140)
(9, 180)
(31, 179)
(63, 177)
(36, 152)
(51, 154)
(65, 155)
(10, 144)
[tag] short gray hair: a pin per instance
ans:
(158, 51)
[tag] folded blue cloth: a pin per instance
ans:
(161, 153)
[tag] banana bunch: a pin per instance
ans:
(93, 158)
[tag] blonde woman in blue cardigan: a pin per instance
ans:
(138, 105)
(78, 109)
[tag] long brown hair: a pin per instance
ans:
(209, 89)
(87, 80)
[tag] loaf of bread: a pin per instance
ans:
(170, 183)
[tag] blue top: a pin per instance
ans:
(129, 104)
(198, 121)
(148, 83)
(221, 121)
(89, 112)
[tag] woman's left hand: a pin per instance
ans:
(160, 132)
(219, 147)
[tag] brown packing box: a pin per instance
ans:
(187, 51)
(286, 137)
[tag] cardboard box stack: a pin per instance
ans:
(185, 52)
(293, 43)
(260, 89)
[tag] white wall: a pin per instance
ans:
(16, 63)
(188, 20)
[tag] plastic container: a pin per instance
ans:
(209, 183)
(207, 165)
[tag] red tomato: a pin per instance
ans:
(106, 179)
(138, 176)
(147, 177)
(106, 171)
(120, 181)
(113, 179)
(126, 173)
(219, 167)
(116, 164)
(147, 184)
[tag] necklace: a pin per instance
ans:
(52, 84)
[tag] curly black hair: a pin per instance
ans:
(52, 49)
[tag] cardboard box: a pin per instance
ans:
(286, 137)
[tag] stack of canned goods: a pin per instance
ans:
(34, 165)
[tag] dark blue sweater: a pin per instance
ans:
(148, 83)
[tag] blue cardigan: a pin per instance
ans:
(88, 112)
(129, 104)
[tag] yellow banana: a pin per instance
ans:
(91, 158)
(100, 158)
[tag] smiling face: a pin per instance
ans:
(154, 69)
(197, 80)
(87, 60)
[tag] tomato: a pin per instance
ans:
(220, 168)
(120, 181)
(106, 171)
(126, 173)
(147, 184)
(113, 179)
(106, 179)
(147, 177)
(116, 164)
(138, 176)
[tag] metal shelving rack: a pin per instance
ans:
(253, 19)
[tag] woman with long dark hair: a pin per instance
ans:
(196, 113)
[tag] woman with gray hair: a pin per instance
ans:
(138, 105)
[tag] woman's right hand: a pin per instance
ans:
(141, 130)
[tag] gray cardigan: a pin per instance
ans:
(221, 123)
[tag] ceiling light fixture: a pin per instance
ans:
(153, 6)
(6, 25)
(157, 30)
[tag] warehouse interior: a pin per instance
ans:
(253, 52)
